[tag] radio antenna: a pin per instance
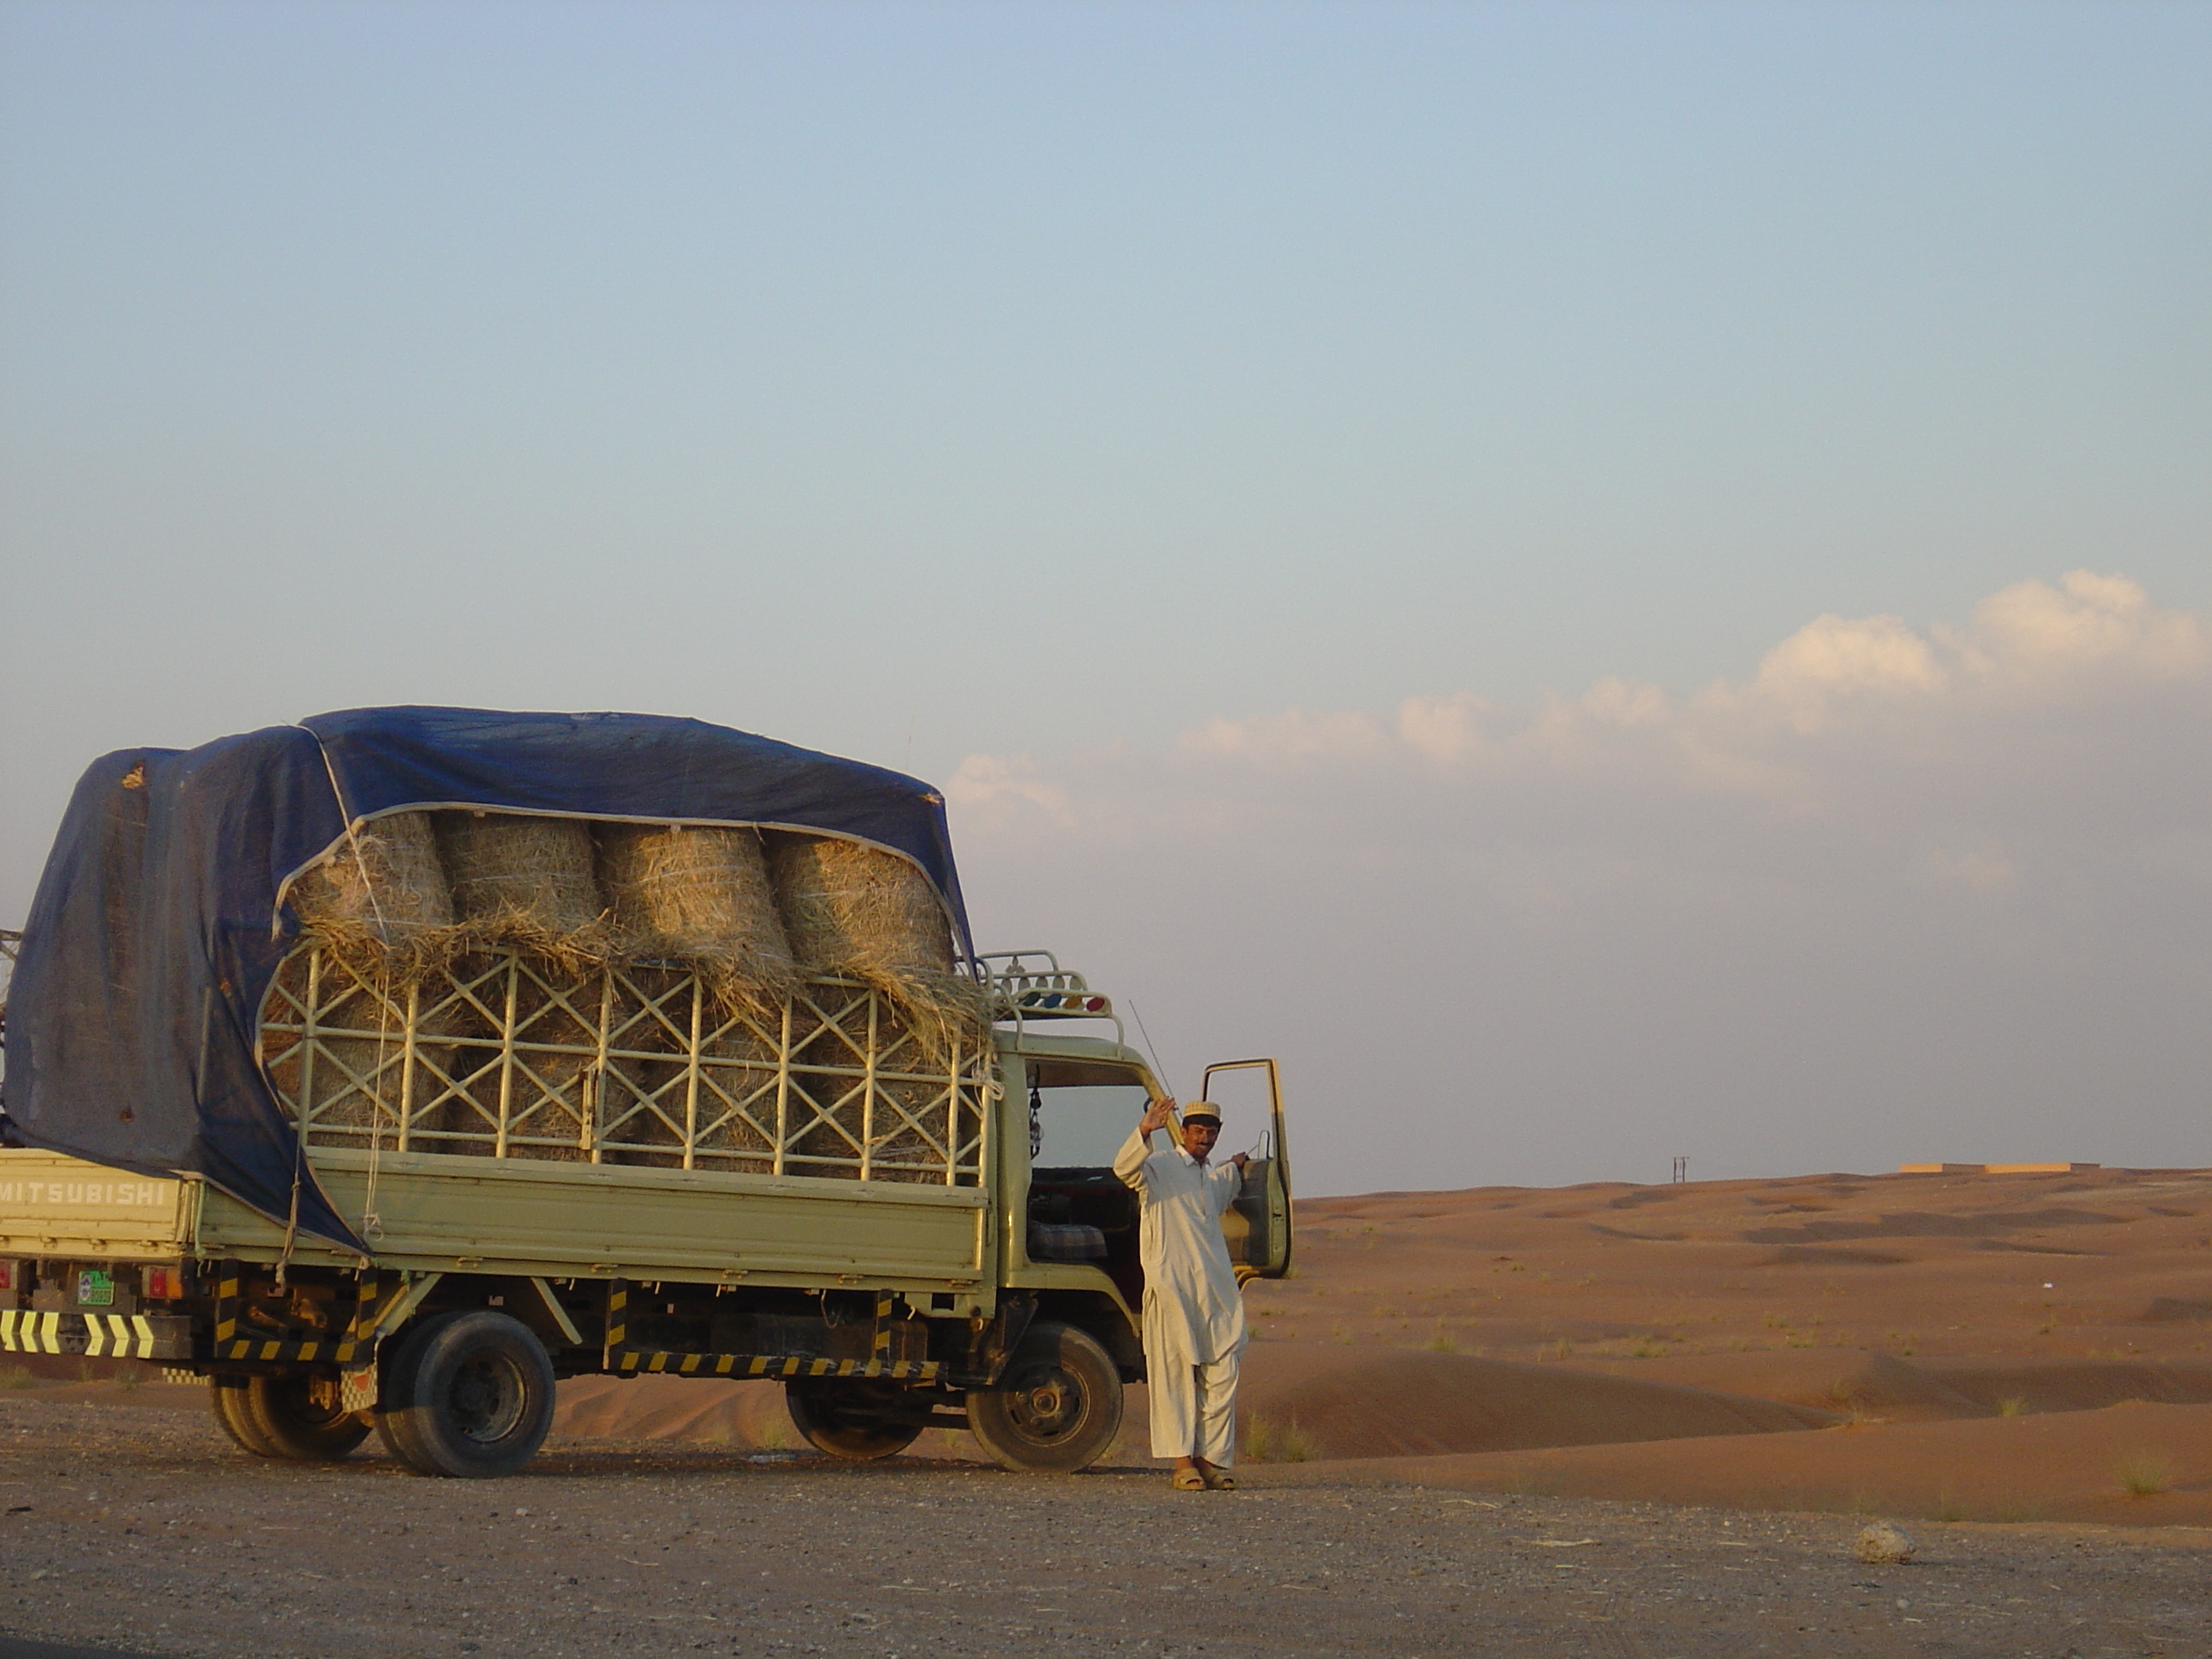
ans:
(1158, 1070)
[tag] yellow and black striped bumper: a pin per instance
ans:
(96, 1335)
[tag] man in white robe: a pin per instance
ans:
(1193, 1310)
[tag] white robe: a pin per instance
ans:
(1194, 1312)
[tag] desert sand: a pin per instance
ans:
(1523, 1421)
(1992, 1347)
(141, 1532)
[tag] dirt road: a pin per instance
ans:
(142, 1531)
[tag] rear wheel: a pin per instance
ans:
(283, 1412)
(852, 1417)
(1057, 1408)
(468, 1394)
(234, 1416)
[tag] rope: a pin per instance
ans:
(371, 1222)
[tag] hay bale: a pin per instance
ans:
(858, 911)
(544, 1095)
(737, 1102)
(352, 1090)
(649, 1100)
(381, 898)
(832, 1070)
(699, 896)
(524, 881)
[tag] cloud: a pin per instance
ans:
(1903, 892)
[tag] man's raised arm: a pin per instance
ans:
(1129, 1162)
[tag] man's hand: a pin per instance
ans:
(1240, 1159)
(1158, 1115)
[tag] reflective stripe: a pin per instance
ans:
(7, 1329)
(50, 1332)
(739, 1364)
(95, 1336)
(145, 1330)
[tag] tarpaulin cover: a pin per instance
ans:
(158, 925)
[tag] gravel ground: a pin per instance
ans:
(144, 1531)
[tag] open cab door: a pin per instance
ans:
(1248, 1095)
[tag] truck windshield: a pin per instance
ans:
(1081, 1126)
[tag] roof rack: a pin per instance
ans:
(1027, 985)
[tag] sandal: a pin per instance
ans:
(1219, 1479)
(1189, 1480)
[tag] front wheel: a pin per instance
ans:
(852, 1417)
(468, 1394)
(1055, 1410)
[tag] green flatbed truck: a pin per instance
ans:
(907, 1235)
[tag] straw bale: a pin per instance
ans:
(831, 1070)
(858, 911)
(548, 1113)
(699, 896)
(354, 1088)
(737, 1102)
(525, 881)
(649, 1100)
(381, 898)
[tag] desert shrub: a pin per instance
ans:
(1268, 1441)
(1259, 1439)
(2144, 1473)
(2012, 1406)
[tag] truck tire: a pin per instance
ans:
(284, 1417)
(851, 1417)
(1055, 1410)
(235, 1416)
(468, 1394)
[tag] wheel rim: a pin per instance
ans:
(1047, 1405)
(295, 1402)
(488, 1399)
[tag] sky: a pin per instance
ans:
(1608, 581)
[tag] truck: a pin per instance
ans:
(354, 1205)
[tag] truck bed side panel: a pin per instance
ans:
(499, 1215)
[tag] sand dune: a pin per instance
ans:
(2107, 1265)
(674, 1408)
(2070, 1465)
(1346, 1403)
(1874, 1384)
(1365, 1403)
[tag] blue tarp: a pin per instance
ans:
(157, 925)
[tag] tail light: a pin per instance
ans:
(165, 1285)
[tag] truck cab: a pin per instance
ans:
(1070, 1284)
